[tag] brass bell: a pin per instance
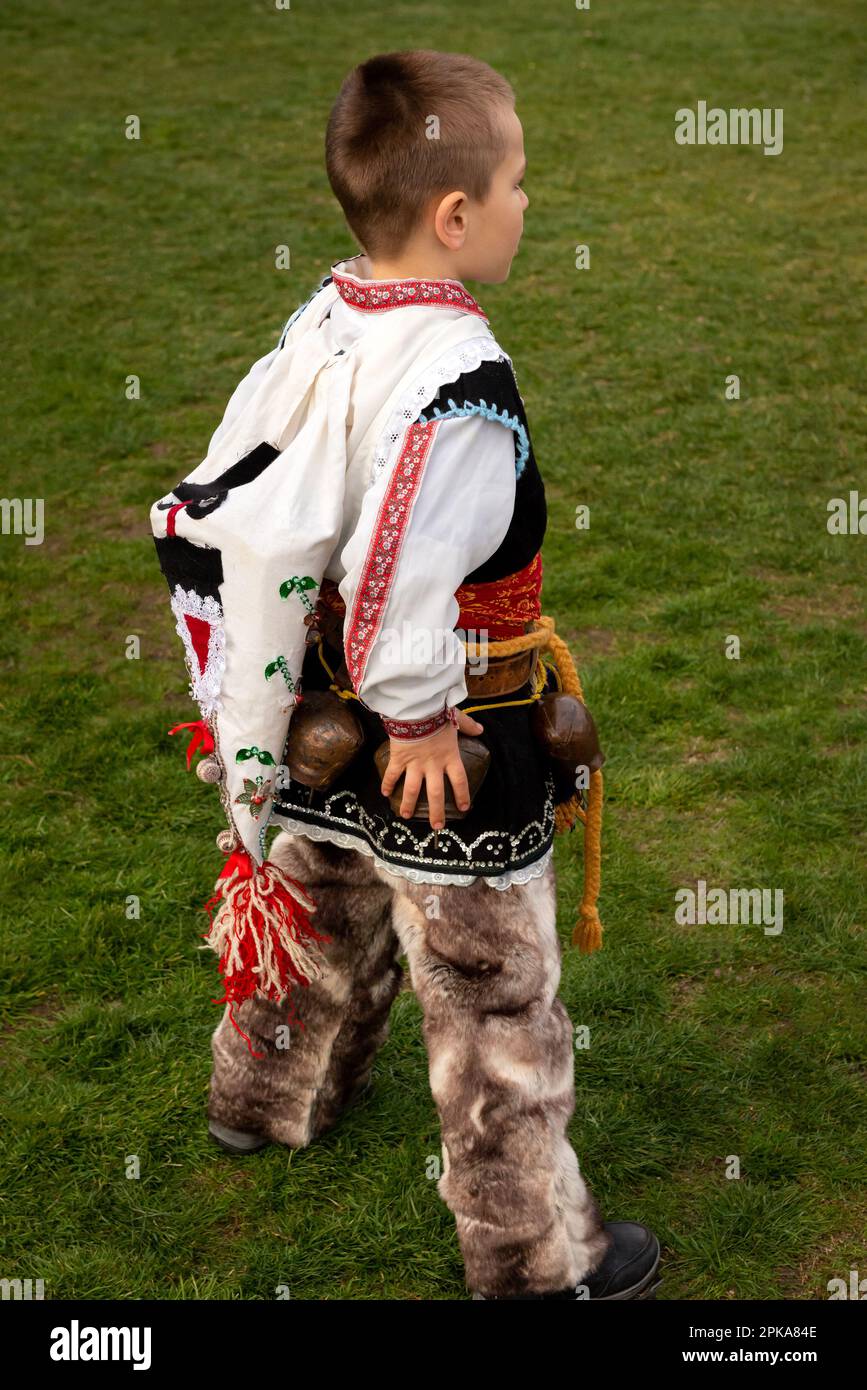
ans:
(564, 727)
(476, 759)
(209, 770)
(324, 737)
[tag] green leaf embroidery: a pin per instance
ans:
(297, 585)
(282, 665)
(244, 754)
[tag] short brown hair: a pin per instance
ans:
(383, 166)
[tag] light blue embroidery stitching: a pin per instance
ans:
(300, 310)
(490, 412)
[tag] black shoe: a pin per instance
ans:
(627, 1269)
(239, 1142)
(236, 1141)
(629, 1265)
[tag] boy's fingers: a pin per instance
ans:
(436, 799)
(390, 776)
(411, 789)
(457, 775)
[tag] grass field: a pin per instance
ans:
(155, 258)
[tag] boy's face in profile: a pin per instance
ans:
(495, 226)
(479, 238)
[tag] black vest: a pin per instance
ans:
(494, 384)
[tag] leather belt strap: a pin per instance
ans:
(503, 674)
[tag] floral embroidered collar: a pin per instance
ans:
(374, 296)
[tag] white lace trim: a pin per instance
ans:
(204, 685)
(337, 837)
(464, 358)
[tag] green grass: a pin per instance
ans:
(155, 258)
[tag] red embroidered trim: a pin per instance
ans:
(419, 728)
(385, 546)
(376, 295)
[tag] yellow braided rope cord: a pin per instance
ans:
(587, 934)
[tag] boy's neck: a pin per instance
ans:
(409, 268)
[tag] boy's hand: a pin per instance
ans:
(426, 761)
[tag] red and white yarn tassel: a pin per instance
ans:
(262, 934)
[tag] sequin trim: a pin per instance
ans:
(343, 809)
(336, 837)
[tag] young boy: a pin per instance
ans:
(379, 459)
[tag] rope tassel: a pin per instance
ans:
(587, 933)
(261, 934)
